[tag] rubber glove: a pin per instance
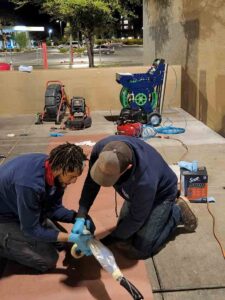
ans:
(82, 242)
(190, 166)
(78, 226)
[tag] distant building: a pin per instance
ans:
(7, 35)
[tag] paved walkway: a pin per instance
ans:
(190, 267)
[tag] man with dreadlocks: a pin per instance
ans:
(31, 191)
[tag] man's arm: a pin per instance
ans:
(88, 195)
(29, 210)
(60, 213)
(90, 188)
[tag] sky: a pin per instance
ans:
(29, 16)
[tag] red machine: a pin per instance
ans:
(4, 67)
(56, 102)
(129, 122)
(131, 129)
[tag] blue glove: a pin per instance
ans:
(82, 242)
(73, 238)
(78, 226)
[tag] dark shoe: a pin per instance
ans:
(188, 217)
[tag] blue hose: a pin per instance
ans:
(150, 131)
(169, 130)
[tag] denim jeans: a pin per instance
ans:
(26, 251)
(161, 222)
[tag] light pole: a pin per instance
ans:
(50, 33)
(60, 24)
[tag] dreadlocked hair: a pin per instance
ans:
(67, 157)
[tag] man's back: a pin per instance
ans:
(25, 171)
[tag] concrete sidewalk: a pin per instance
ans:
(191, 266)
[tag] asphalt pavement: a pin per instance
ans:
(123, 56)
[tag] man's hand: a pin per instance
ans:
(82, 242)
(78, 226)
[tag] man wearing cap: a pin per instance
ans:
(151, 210)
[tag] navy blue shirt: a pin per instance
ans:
(149, 182)
(25, 197)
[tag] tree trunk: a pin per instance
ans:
(90, 43)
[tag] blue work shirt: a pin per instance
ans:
(148, 182)
(25, 197)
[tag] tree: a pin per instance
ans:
(21, 39)
(132, 10)
(88, 16)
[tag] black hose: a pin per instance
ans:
(132, 290)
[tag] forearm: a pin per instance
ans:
(63, 214)
(88, 195)
(62, 237)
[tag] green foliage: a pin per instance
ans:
(90, 17)
(132, 41)
(79, 50)
(21, 40)
(120, 41)
(21, 3)
(63, 50)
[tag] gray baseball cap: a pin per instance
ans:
(112, 161)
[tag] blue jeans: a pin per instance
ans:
(35, 254)
(161, 222)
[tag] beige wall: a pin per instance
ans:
(191, 33)
(23, 93)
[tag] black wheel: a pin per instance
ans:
(39, 119)
(154, 119)
(87, 122)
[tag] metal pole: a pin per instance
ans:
(100, 56)
(60, 24)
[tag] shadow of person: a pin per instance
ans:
(85, 271)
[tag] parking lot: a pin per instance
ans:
(124, 56)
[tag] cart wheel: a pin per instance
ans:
(124, 96)
(39, 119)
(154, 100)
(140, 99)
(154, 119)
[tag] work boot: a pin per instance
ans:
(188, 217)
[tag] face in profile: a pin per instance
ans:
(64, 179)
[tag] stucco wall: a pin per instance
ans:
(23, 93)
(191, 33)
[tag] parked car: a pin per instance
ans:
(75, 44)
(102, 49)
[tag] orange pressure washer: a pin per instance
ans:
(56, 102)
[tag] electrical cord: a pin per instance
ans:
(116, 208)
(214, 230)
